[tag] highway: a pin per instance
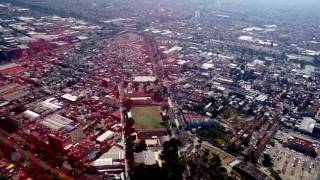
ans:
(120, 88)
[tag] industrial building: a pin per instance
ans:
(112, 160)
(147, 157)
(248, 171)
(302, 146)
(309, 126)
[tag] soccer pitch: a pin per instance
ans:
(147, 117)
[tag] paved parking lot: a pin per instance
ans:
(292, 165)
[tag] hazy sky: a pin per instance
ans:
(302, 8)
(314, 4)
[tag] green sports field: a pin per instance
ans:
(147, 117)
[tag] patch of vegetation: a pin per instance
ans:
(207, 167)
(147, 172)
(227, 113)
(217, 134)
(147, 117)
(275, 174)
(159, 93)
(267, 161)
(172, 169)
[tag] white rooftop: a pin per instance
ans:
(114, 152)
(107, 159)
(173, 49)
(307, 124)
(145, 79)
(55, 121)
(151, 142)
(235, 162)
(207, 66)
(70, 97)
(105, 136)
(7, 66)
(102, 162)
(49, 104)
(30, 114)
(145, 157)
(181, 62)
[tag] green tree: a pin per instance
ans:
(267, 160)
(153, 172)
(215, 162)
(173, 165)
(159, 93)
(275, 174)
(207, 170)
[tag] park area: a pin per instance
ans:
(217, 134)
(147, 117)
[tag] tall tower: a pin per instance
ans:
(197, 14)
